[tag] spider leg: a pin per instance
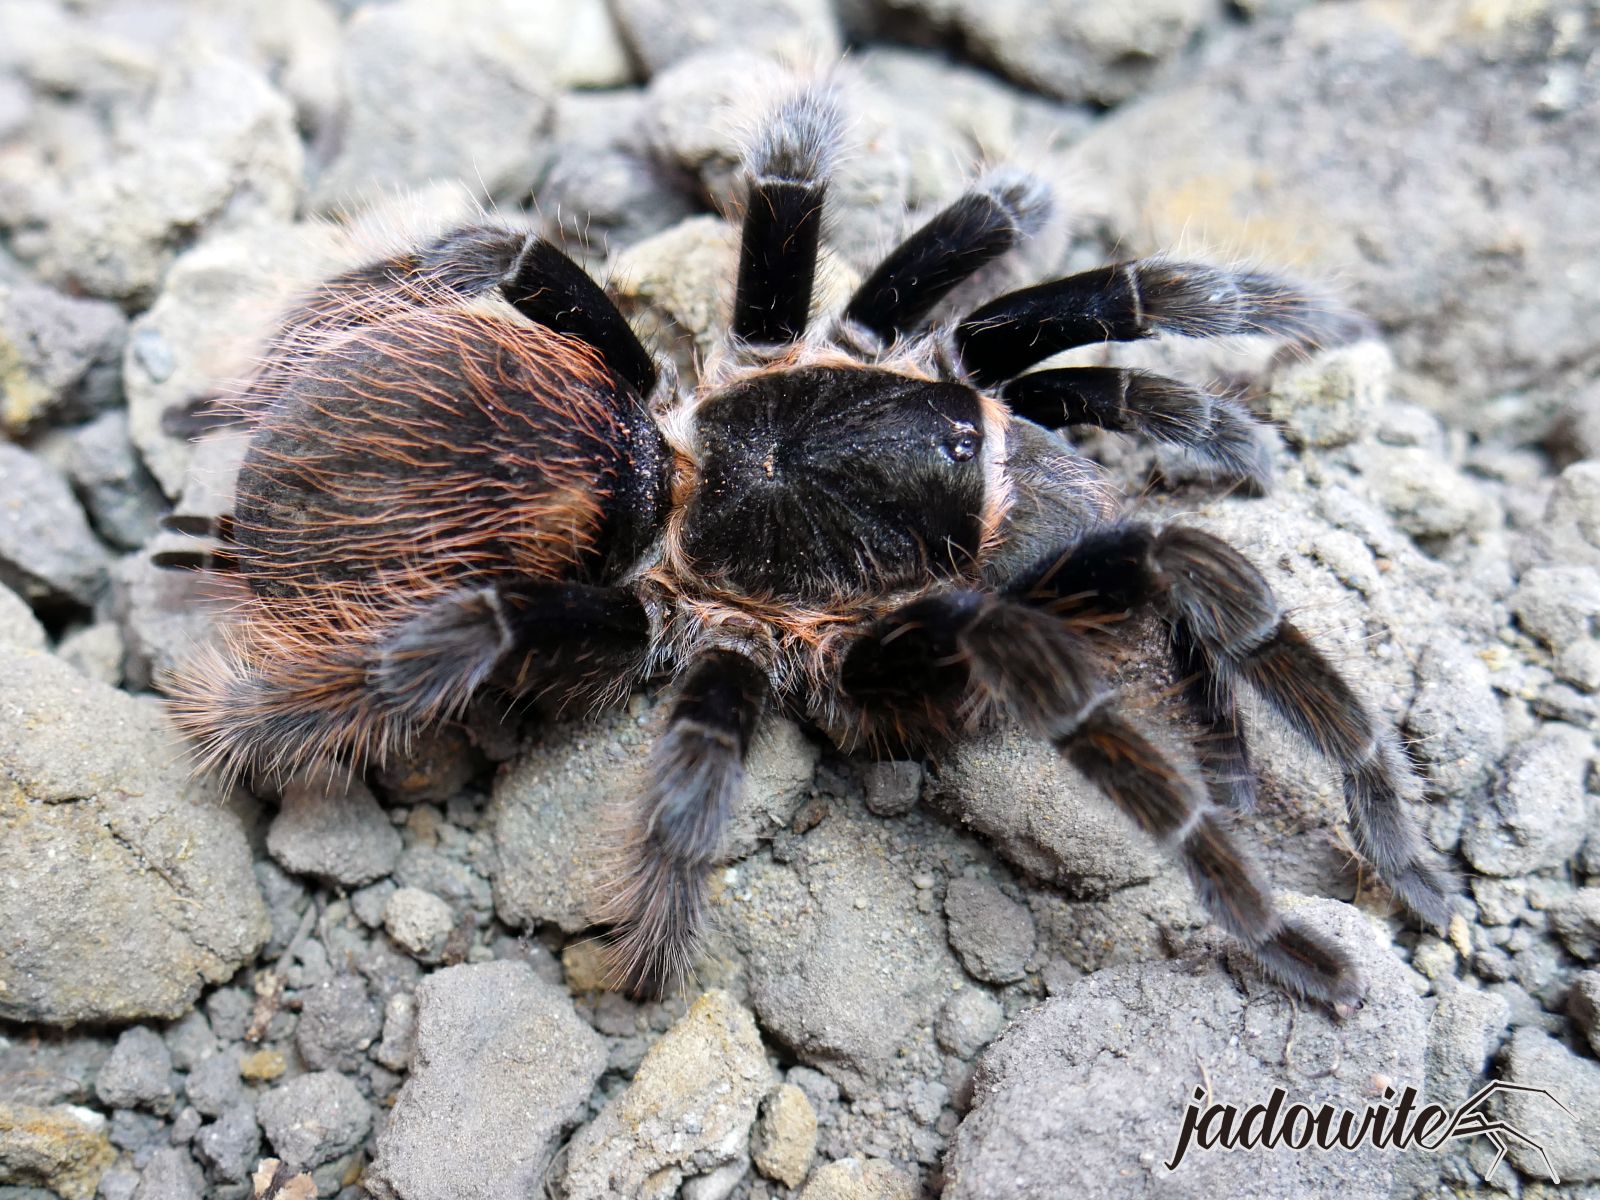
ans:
(1131, 300)
(548, 288)
(1229, 623)
(1218, 431)
(989, 219)
(1045, 674)
(656, 909)
(306, 699)
(788, 165)
(429, 665)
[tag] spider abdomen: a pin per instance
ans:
(439, 448)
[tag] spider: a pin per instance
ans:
(465, 471)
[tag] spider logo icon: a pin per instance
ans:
(1473, 1118)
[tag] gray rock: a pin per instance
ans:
(335, 832)
(1569, 532)
(1455, 721)
(213, 1084)
(218, 303)
(503, 1067)
(687, 1113)
(1583, 1004)
(96, 651)
(60, 357)
(1040, 814)
(230, 1146)
(1558, 604)
(1576, 921)
(1393, 153)
(844, 964)
(859, 1178)
(48, 555)
(138, 1074)
(991, 933)
(431, 96)
(190, 1040)
(161, 615)
(170, 1175)
(338, 1021)
(1060, 1098)
(1332, 398)
(215, 147)
(19, 628)
(45, 1071)
(161, 899)
(123, 500)
(783, 1143)
(1426, 496)
(419, 921)
(969, 1021)
(315, 1118)
(399, 1032)
(661, 33)
(1074, 52)
(892, 788)
(1464, 1033)
(64, 1149)
(574, 780)
(604, 192)
(1536, 1060)
(1536, 819)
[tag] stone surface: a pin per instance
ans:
(1333, 398)
(138, 1074)
(60, 356)
(1536, 819)
(338, 1021)
(334, 832)
(19, 628)
(1040, 814)
(784, 1141)
(503, 1067)
(857, 1178)
(1536, 1060)
(214, 147)
(1111, 1063)
(969, 1021)
(163, 900)
(313, 1119)
(687, 1112)
(483, 119)
(419, 921)
(48, 554)
(63, 1148)
(123, 501)
(992, 934)
(1576, 921)
(660, 33)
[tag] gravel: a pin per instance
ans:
(955, 975)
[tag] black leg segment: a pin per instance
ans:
(1217, 431)
(548, 288)
(1139, 299)
(989, 220)
(788, 168)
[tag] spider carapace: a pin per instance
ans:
(466, 472)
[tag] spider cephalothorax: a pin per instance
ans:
(466, 472)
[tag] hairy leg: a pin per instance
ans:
(1044, 674)
(1227, 622)
(788, 163)
(991, 218)
(1131, 300)
(656, 908)
(1218, 431)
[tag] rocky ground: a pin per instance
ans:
(963, 978)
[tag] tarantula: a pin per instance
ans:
(465, 471)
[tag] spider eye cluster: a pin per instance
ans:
(962, 443)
